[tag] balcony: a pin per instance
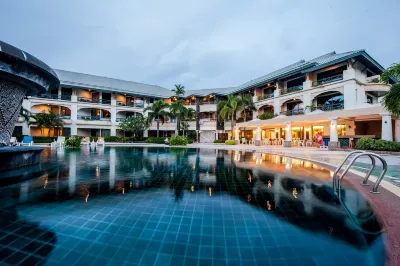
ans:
(91, 100)
(55, 97)
(328, 107)
(266, 96)
(328, 80)
(297, 111)
(131, 104)
(93, 118)
(292, 89)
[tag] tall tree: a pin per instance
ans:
(177, 109)
(248, 104)
(137, 125)
(187, 115)
(229, 107)
(392, 99)
(179, 90)
(158, 112)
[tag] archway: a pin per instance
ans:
(328, 101)
(268, 108)
(292, 107)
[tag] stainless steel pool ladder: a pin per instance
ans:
(372, 156)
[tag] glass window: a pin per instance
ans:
(341, 130)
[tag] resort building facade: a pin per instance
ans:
(336, 95)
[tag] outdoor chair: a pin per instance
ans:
(244, 141)
(301, 143)
(60, 141)
(309, 143)
(14, 141)
(27, 141)
(85, 141)
(100, 141)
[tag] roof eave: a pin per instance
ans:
(291, 72)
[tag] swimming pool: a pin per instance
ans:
(177, 206)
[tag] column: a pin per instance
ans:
(397, 130)
(258, 135)
(288, 140)
(237, 135)
(113, 131)
(59, 93)
(387, 133)
(74, 118)
(146, 133)
(277, 106)
(307, 101)
(334, 139)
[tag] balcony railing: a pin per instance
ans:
(328, 80)
(91, 100)
(131, 104)
(209, 102)
(65, 116)
(292, 89)
(299, 111)
(93, 117)
(328, 107)
(190, 103)
(266, 96)
(55, 97)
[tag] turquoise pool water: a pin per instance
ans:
(161, 206)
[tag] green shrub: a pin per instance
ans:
(267, 115)
(44, 139)
(219, 141)
(112, 139)
(365, 143)
(377, 145)
(73, 142)
(159, 140)
(178, 141)
(230, 142)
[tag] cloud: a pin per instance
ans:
(201, 44)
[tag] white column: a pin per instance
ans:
(288, 131)
(387, 133)
(334, 129)
(277, 106)
(146, 133)
(397, 130)
(307, 101)
(59, 92)
(258, 135)
(334, 138)
(237, 135)
(113, 131)
(74, 118)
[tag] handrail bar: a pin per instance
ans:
(378, 181)
(340, 167)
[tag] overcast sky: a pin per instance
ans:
(200, 44)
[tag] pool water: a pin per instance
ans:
(161, 206)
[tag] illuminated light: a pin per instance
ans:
(210, 191)
(192, 188)
(294, 193)
(268, 205)
(46, 181)
(130, 184)
(248, 198)
(87, 196)
(249, 178)
(269, 184)
(125, 94)
(97, 171)
(331, 173)
(89, 89)
(268, 84)
(123, 190)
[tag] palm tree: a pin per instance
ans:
(187, 115)
(248, 104)
(179, 90)
(229, 107)
(46, 120)
(176, 109)
(158, 112)
(391, 100)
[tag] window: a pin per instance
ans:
(341, 130)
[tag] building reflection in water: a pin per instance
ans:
(289, 189)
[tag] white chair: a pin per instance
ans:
(100, 141)
(309, 143)
(85, 141)
(301, 143)
(244, 141)
(14, 141)
(60, 141)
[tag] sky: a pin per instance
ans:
(200, 44)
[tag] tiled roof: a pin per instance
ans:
(68, 78)
(110, 84)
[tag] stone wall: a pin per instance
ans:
(11, 97)
(207, 136)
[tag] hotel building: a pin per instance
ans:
(336, 94)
